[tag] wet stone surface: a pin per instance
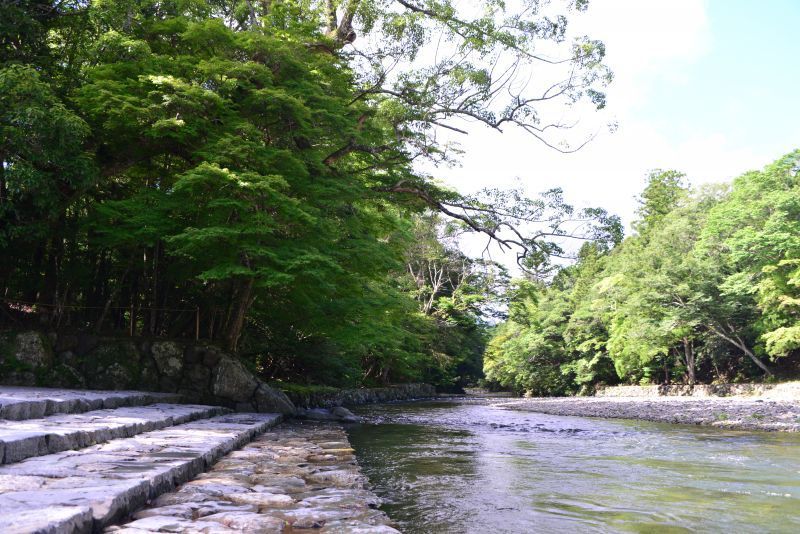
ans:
(298, 477)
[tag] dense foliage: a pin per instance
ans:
(244, 172)
(707, 289)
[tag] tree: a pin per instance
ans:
(247, 171)
(498, 66)
(456, 294)
(661, 195)
(44, 171)
(705, 290)
(752, 238)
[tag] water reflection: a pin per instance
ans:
(469, 467)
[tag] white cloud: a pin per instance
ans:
(648, 43)
(647, 39)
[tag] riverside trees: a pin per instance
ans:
(706, 289)
(245, 171)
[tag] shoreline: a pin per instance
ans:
(728, 413)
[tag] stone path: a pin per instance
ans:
(298, 476)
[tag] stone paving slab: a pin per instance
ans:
(19, 403)
(299, 477)
(54, 520)
(115, 478)
(36, 437)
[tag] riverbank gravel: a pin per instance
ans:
(727, 413)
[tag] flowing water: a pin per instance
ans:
(464, 466)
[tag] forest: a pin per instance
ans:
(250, 174)
(245, 173)
(706, 290)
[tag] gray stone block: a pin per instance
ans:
(52, 520)
(116, 478)
(37, 437)
(19, 403)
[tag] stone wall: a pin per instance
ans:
(201, 373)
(352, 397)
(785, 390)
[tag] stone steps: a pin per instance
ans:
(77, 491)
(36, 437)
(20, 403)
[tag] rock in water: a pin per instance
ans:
(345, 415)
(320, 414)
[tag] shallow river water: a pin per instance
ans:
(464, 466)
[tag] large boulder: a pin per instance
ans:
(232, 381)
(270, 400)
(24, 357)
(115, 376)
(319, 414)
(169, 358)
(112, 365)
(32, 349)
(66, 376)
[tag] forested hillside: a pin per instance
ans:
(241, 172)
(706, 290)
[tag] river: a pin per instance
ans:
(465, 466)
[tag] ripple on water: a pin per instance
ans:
(468, 467)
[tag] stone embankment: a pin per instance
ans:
(296, 477)
(199, 372)
(353, 397)
(728, 412)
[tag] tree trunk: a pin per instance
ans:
(245, 299)
(688, 352)
(32, 289)
(752, 356)
(154, 290)
(47, 292)
(332, 20)
(110, 299)
(3, 193)
(251, 10)
(384, 379)
(737, 342)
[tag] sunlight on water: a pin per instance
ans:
(465, 466)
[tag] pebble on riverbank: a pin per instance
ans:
(297, 476)
(727, 413)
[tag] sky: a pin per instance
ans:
(707, 87)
